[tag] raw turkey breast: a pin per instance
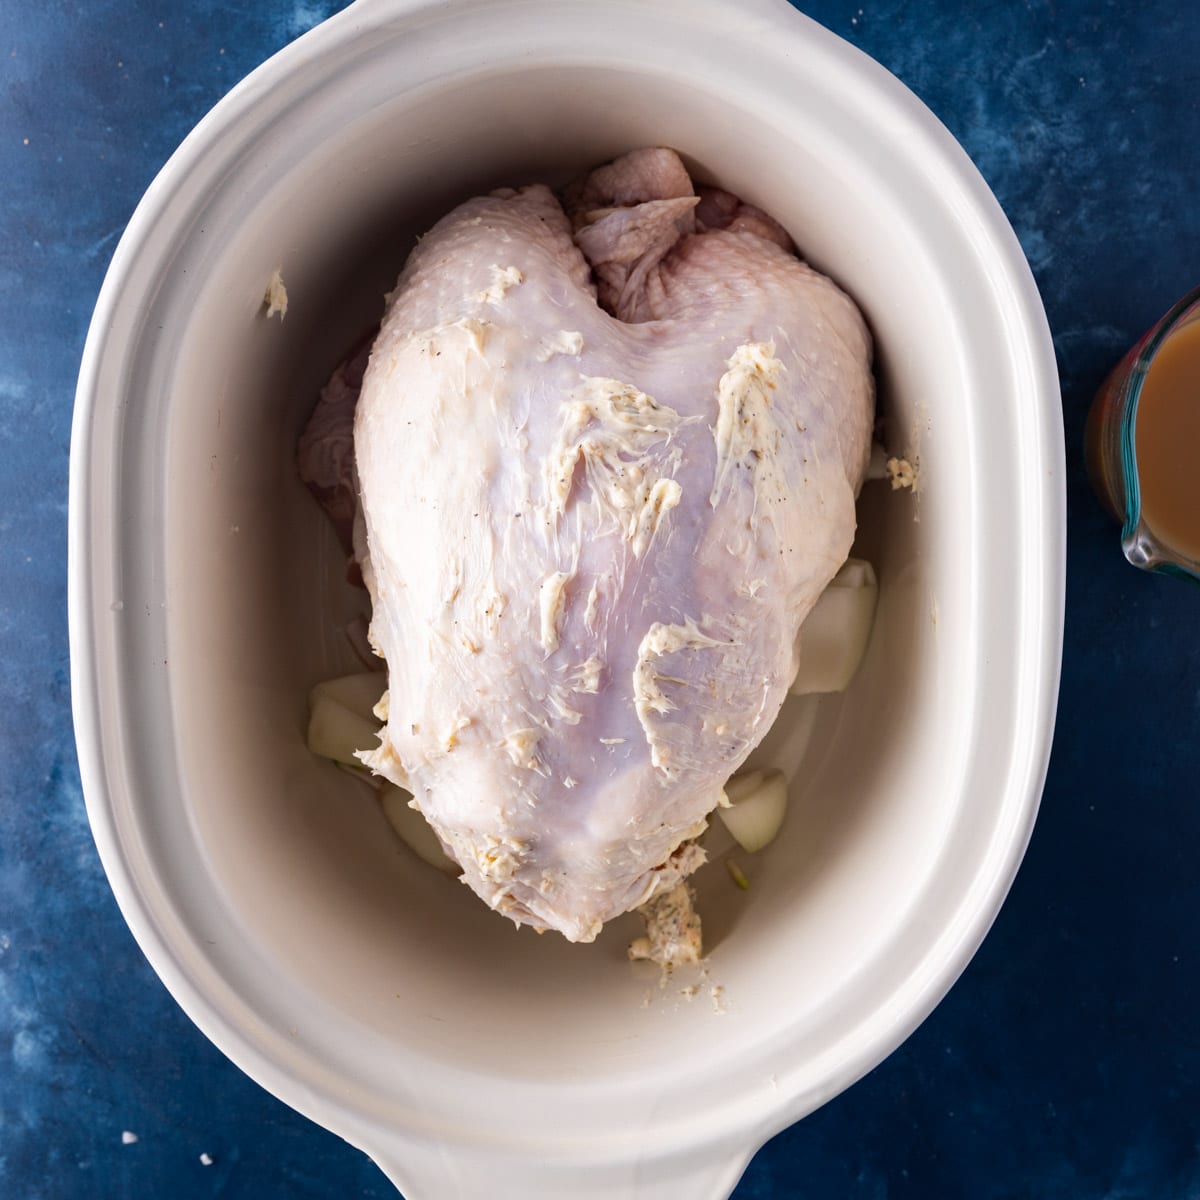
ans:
(607, 458)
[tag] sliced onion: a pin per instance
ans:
(334, 731)
(835, 633)
(757, 805)
(359, 693)
(413, 829)
(741, 786)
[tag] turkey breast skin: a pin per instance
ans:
(607, 459)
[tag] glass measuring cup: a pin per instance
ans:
(1151, 483)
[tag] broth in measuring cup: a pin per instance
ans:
(1167, 441)
(1143, 444)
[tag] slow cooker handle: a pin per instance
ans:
(432, 1173)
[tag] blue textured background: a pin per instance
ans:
(1066, 1063)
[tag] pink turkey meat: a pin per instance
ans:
(607, 459)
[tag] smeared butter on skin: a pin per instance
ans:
(649, 698)
(521, 746)
(593, 607)
(611, 428)
(450, 737)
(447, 337)
(663, 496)
(502, 858)
(746, 434)
(503, 280)
(492, 606)
(551, 603)
(496, 860)
(585, 678)
(564, 342)
(476, 331)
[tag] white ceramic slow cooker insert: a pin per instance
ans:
(374, 995)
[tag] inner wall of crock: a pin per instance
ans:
(340, 916)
